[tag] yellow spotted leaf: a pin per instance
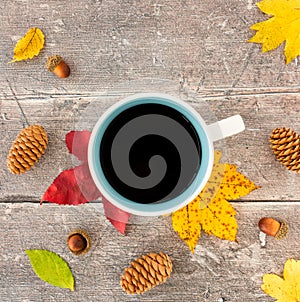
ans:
(185, 223)
(283, 25)
(210, 210)
(226, 181)
(286, 289)
(218, 219)
(29, 46)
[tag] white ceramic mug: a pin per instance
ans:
(173, 127)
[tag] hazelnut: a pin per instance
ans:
(58, 66)
(273, 227)
(79, 242)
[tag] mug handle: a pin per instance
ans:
(227, 127)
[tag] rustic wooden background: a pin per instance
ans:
(111, 45)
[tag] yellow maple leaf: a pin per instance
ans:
(185, 223)
(225, 181)
(286, 289)
(29, 46)
(284, 25)
(210, 210)
(218, 218)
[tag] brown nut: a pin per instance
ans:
(273, 227)
(79, 242)
(58, 66)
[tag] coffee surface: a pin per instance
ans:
(150, 153)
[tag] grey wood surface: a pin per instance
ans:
(115, 48)
(218, 269)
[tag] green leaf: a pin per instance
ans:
(51, 268)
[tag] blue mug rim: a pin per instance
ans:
(151, 209)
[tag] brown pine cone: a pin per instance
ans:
(146, 272)
(27, 149)
(286, 147)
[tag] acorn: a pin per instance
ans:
(272, 227)
(79, 242)
(58, 66)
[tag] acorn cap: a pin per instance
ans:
(283, 230)
(84, 242)
(53, 61)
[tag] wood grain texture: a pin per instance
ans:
(200, 46)
(108, 43)
(218, 269)
(249, 150)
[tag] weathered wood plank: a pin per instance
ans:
(218, 269)
(106, 43)
(249, 150)
(201, 44)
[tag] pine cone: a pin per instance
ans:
(146, 272)
(286, 147)
(27, 148)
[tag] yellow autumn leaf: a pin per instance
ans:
(29, 46)
(210, 210)
(185, 223)
(284, 25)
(218, 219)
(286, 289)
(225, 181)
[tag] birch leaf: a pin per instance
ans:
(51, 268)
(29, 46)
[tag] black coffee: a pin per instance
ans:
(150, 153)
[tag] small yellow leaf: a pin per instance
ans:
(286, 289)
(284, 25)
(29, 46)
(210, 210)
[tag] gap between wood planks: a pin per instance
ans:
(250, 202)
(205, 93)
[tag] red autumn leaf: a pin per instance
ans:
(76, 186)
(77, 143)
(72, 187)
(116, 216)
